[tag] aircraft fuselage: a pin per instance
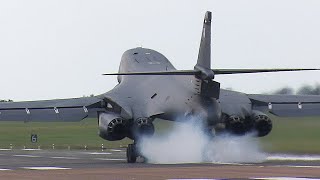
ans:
(167, 97)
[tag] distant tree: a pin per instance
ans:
(309, 90)
(306, 90)
(285, 90)
(3, 100)
(91, 95)
(317, 89)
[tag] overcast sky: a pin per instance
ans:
(60, 48)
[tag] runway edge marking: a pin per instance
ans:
(4, 169)
(46, 168)
(58, 157)
(26, 155)
(110, 159)
(284, 178)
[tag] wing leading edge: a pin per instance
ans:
(287, 105)
(215, 71)
(74, 109)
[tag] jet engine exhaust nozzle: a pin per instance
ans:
(112, 127)
(143, 127)
(235, 125)
(263, 124)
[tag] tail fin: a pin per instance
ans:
(204, 56)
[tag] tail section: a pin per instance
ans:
(202, 70)
(204, 57)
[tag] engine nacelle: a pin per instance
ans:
(112, 127)
(262, 123)
(237, 125)
(142, 127)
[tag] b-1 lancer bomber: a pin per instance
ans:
(150, 87)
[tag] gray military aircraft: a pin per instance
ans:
(150, 87)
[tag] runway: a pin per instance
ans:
(111, 164)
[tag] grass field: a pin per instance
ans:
(61, 134)
(298, 135)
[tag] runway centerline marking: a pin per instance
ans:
(64, 157)
(26, 155)
(46, 168)
(5, 149)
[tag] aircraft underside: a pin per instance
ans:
(113, 127)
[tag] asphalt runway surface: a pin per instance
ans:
(111, 164)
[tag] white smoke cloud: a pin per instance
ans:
(188, 143)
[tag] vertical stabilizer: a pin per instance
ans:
(204, 56)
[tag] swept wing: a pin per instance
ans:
(74, 109)
(287, 105)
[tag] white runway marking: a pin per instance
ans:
(116, 150)
(283, 178)
(192, 179)
(5, 149)
(100, 153)
(64, 158)
(25, 155)
(110, 159)
(286, 157)
(237, 164)
(45, 168)
(297, 166)
(31, 149)
(3, 169)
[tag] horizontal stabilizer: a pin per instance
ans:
(245, 71)
(216, 72)
(182, 72)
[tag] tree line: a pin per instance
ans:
(304, 90)
(6, 100)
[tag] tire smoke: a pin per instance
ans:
(188, 143)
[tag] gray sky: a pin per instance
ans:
(60, 48)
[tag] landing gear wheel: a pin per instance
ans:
(131, 153)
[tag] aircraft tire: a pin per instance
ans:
(131, 153)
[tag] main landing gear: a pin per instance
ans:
(132, 153)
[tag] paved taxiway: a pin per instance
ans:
(111, 164)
